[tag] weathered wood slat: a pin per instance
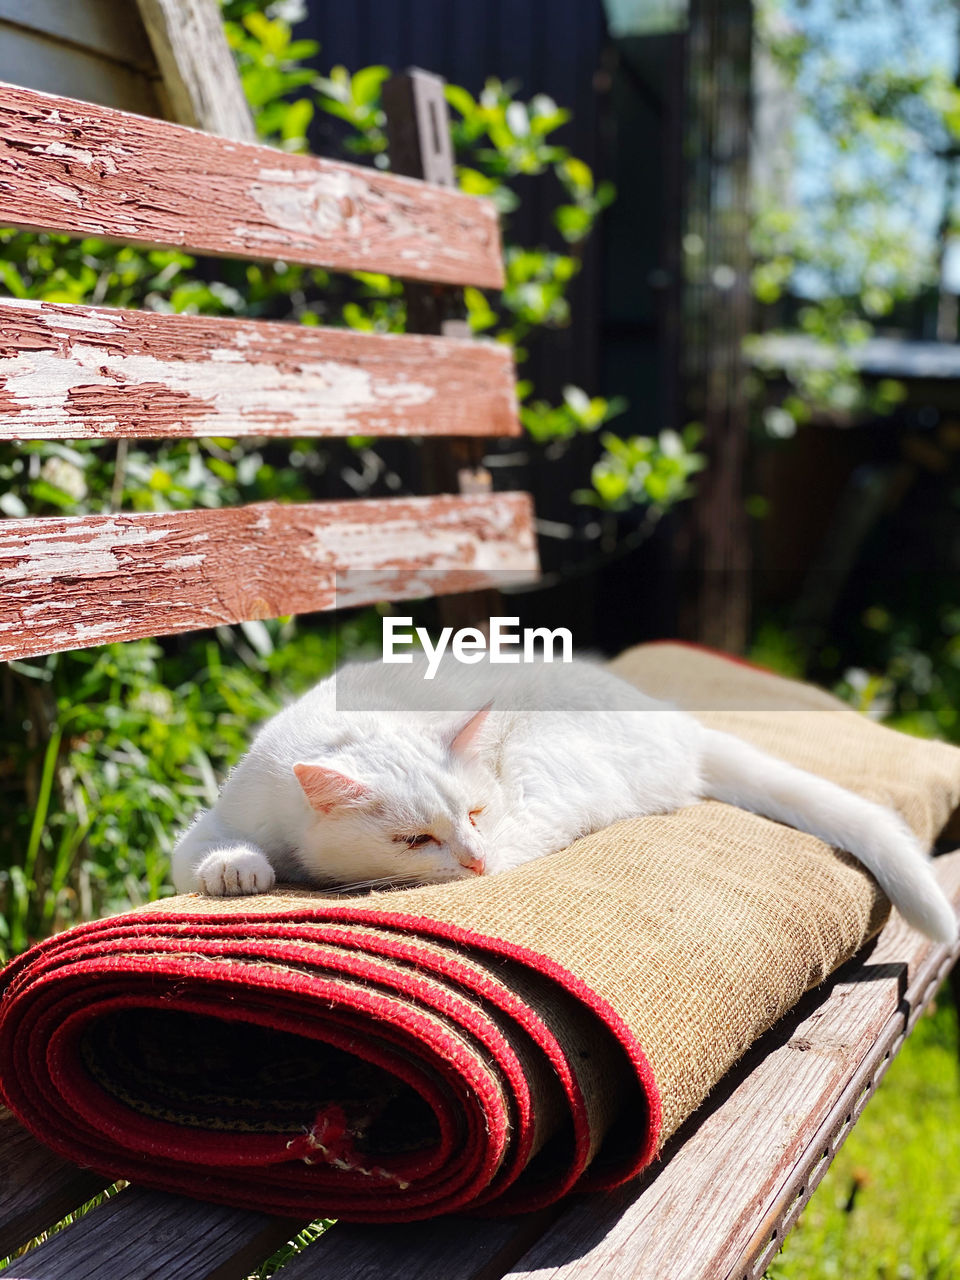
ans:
(102, 26)
(146, 1235)
(736, 1177)
(50, 65)
(200, 85)
(442, 1249)
(77, 581)
(37, 1188)
(70, 166)
(70, 371)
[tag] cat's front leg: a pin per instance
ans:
(234, 869)
(208, 859)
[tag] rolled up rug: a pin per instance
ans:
(483, 1045)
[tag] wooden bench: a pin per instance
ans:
(733, 1182)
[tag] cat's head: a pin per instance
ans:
(408, 810)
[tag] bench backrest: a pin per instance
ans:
(71, 371)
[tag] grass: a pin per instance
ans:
(889, 1208)
(266, 1270)
(66, 1221)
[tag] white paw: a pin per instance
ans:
(234, 870)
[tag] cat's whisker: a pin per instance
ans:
(379, 882)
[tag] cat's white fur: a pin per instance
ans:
(539, 755)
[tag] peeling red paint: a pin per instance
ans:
(71, 371)
(90, 170)
(147, 408)
(74, 581)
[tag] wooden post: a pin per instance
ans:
(714, 548)
(200, 85)
(418, 128)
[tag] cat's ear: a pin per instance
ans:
(463, 743)
(326, 789)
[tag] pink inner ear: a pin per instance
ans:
(325, 788)
(464, 741)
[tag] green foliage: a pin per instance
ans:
(885, 1208)
(910, 672)
(906, 670)
(587, 201)
(269, 61)
(577, 413)
(111, 750)
(356, 100)
(873, 112)
(645, 470)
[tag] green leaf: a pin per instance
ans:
(357, 318)
(365, 84)
(12, 278)
(577, 400)
(578, 174)
(606, 193)
(296, 120)
(273, 35)
(460, 99)
(474, 182)
(573, 222)
(479, 311)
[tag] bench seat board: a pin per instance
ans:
(139, 1234)
(37, 1188)
(75, 581)
(70, 166)
(74, 371)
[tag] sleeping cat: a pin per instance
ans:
(402, 790)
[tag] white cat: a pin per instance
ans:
(371, 779)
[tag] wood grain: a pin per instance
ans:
(735, 1178)
(113, 30)
(37, 1188)
(70, 166)
(77, 581)
(200, 85)
(444, 1249)
(146, 1235)
(34, 58)
(70, 371)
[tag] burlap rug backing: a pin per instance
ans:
(559, 1021)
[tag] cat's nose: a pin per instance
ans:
(471, 862)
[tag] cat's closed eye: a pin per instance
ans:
(473, 814)
(416, 842)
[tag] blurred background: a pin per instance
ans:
(733, 248)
